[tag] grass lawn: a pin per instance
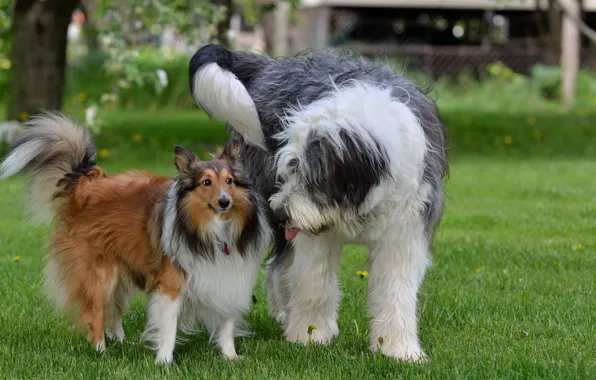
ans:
(511, 292)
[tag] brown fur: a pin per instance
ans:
(109, 238)
(107, 235)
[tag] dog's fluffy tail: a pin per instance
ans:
(218, 82)
(56, 153)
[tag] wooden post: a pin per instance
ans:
(281, 27)
(570, 51)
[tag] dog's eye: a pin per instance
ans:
(206, 182)
(229, 181)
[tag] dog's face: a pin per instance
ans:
(324, 177)
(305, 200)
(208, 187)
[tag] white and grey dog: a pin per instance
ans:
(346, 151)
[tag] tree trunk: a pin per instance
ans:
(90, 32)
(553, 45)
(224, 25)
(570, 52)
(38, 55)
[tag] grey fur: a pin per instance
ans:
(287, 83)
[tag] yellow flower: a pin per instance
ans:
(23, 116)
(531, 120)
(81, 97)
(381, 340)
(311, 328)
(16, 259)
(577, 247)
(478, 270)
(137, 137)
(362, 273)
(507, 140)
(103, 153)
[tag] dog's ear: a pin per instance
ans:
(183, 158)
(231, 152)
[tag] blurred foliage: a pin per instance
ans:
(125, 28)
(5, 39)
(548, 80)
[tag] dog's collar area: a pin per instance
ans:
(226, 249)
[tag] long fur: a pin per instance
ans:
(49, 148)
(354, 153)
(194, 247)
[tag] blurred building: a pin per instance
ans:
(438, 36)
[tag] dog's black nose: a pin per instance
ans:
(223, 202)
(280, 215)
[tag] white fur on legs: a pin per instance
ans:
(276, 294)
(397, 266)
(101, 346)
(313, 290)
(226, 339)
(162, 325)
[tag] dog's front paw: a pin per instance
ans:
(232, 356)
(310, 334)
(403, 352)
(164, 358)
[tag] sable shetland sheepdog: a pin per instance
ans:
(194, 243)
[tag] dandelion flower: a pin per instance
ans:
(507, 140)
(478, 270)
(577, 247)
(103, 153)
(81, 97)
(23, 116)
(16, 259)
(362, 273)
(137, 137)
(311, 328)
(531, 120)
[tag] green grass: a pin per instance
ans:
(510, 294)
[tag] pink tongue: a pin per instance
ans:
(290, 233)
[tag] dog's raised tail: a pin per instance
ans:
(55, 153)
(218, 79)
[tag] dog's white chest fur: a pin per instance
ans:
(222, 285)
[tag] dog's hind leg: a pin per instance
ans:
(116, 307)
(94, 290)
(313, 290)
(397, 266)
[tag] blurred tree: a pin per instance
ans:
(38, 54)
(224, 25)
(38, 39)
(549, 30)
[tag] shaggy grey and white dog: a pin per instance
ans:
(346, 151)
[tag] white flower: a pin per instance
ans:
(90, 115)
(163, 77)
